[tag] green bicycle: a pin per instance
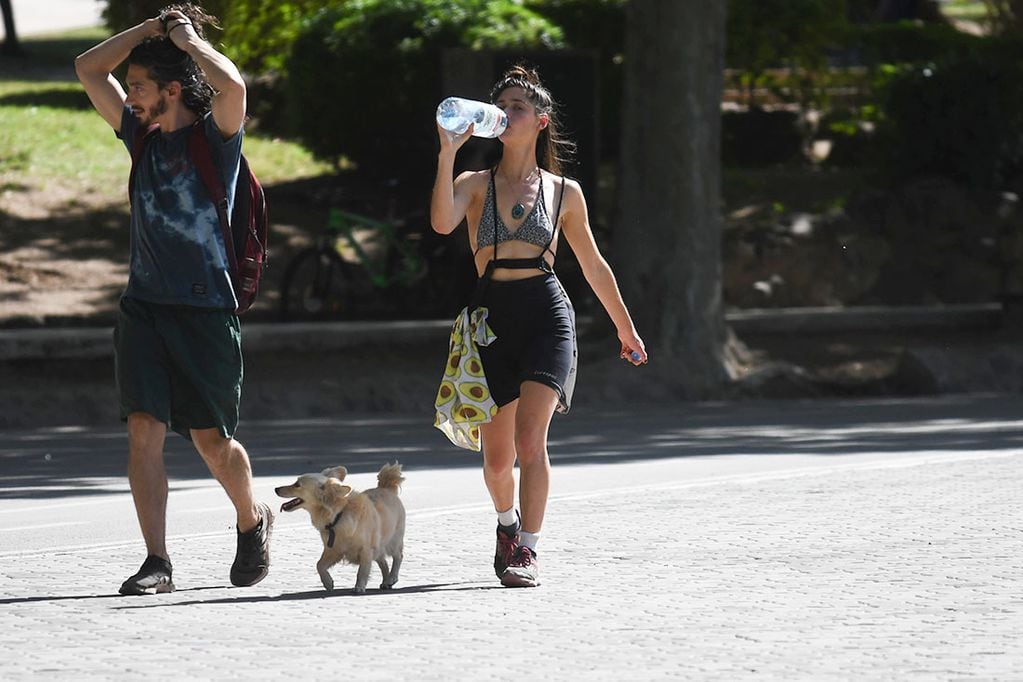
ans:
(364, 268)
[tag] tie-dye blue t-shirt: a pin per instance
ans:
(177, 249)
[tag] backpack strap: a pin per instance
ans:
(138, 143)
(202, 157)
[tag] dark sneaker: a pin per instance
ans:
(252, 560)
(506, 545)
(153, 578)
(523, 569)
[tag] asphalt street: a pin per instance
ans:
(778, 540)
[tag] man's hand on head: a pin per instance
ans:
(177, 27)
(154, 27)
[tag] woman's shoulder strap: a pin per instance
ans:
(561, 200)
(557, 218)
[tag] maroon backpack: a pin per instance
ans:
(245, 230)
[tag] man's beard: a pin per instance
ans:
(156, 110)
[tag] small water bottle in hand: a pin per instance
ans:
(629, 354)
(455, 114)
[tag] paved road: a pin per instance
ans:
(823, 540)
(37, 17)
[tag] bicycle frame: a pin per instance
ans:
(344, 224)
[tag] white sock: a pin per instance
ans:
(508, 517)
(529, 539)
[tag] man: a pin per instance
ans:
(177, 341)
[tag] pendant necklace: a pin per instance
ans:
(518, 210)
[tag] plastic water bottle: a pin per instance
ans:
(455, 114)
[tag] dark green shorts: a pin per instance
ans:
(180, 364)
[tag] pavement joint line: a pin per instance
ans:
(103, 546)
(50, 507)
(278, 530)
(802, 472)
(934, 426)
(45, 525)
(454, 509)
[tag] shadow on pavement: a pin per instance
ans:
(323, 594)
(84, 597)
(53, 463)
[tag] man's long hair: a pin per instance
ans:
(165, 62)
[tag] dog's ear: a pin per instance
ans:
(337, 472)
(334, 492)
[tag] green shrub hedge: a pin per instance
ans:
(960, 118)
(597, 25)
(121, 14)
(907, 42)
(364, 79)
(259, 33)
(360, 78)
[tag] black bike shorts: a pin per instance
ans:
(535, 327)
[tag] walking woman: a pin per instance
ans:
(516, 213)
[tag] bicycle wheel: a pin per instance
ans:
(317, 285)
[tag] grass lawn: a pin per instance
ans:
(63, 192)
(52, 138)
(964, 9)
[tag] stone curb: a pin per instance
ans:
(866, 318)
(95, 342)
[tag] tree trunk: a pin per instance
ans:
(668, 241)
(10, 45)
(1005, 16)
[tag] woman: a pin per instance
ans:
(530, 368)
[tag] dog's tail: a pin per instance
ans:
(390, 476)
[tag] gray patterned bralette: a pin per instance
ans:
(535, 229)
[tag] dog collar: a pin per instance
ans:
(330, 529)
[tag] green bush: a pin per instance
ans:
(121, 14)
(960, 118)
(365, 78)
(259, 33)
(597, 25)
(851, 133)
(759, 138)
(771, 34)
(907, 42)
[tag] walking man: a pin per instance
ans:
(178, 341)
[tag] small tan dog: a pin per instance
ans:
(359, 528)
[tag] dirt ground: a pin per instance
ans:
(63, 259)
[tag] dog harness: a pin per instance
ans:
(330, 529)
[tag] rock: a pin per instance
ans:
(994, 368)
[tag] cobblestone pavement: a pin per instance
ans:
(883, 563)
